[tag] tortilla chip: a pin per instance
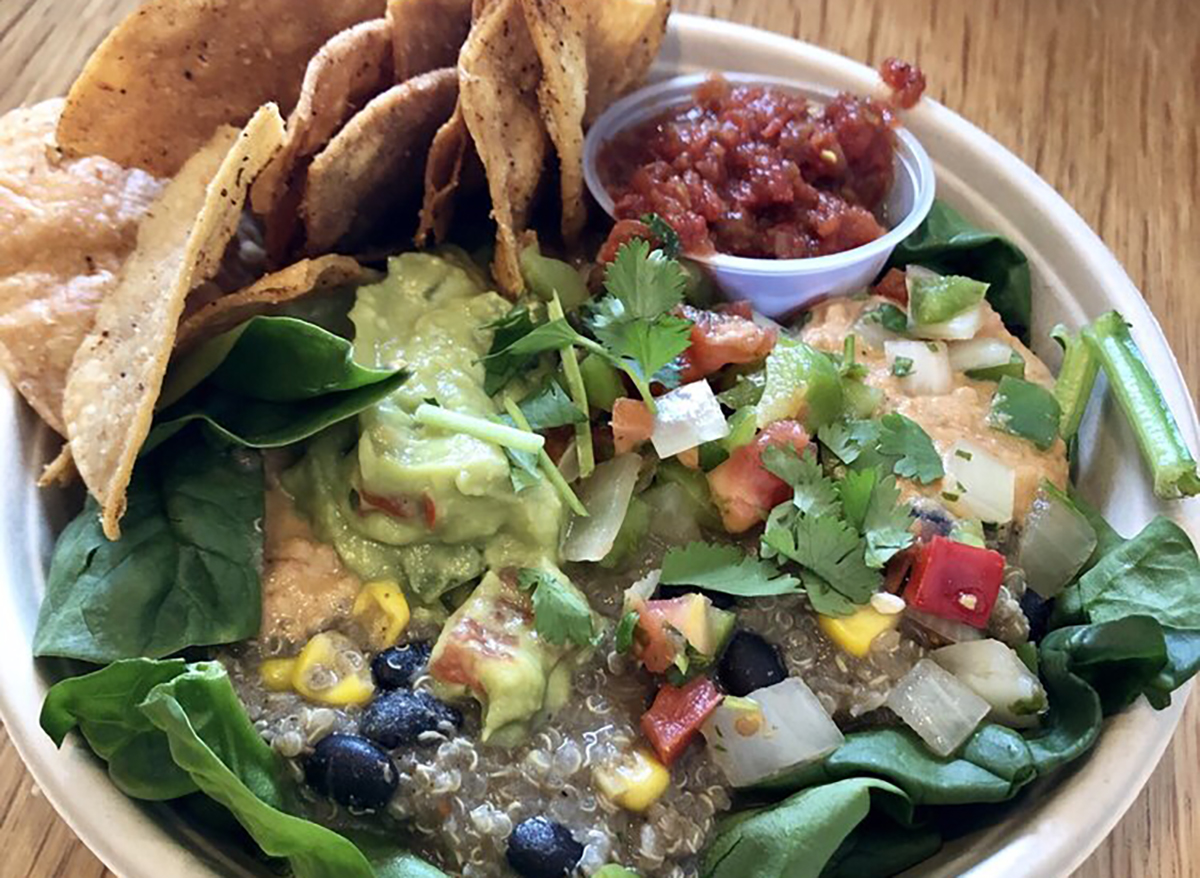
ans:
(623, 41)
(558, 29)
(308, 277)
(443, 171)
(174, 71)
(427, 34)
(349, 70)
(499, 75)
(373, 166)
(118, 371)
(68, 225)
(61, 471)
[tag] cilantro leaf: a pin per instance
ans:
(518, 342)
(829, 548)
(849, 440)
(625, 629)
(724, 568)
(647, 282)
(499, 369)
(550, 407)
(871, 500)
(666, 236)
(904, 439)
(560, 612)
(815, 493)
(825, 600)
(645, 347)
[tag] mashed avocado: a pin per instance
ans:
(430, 508)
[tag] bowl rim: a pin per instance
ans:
(110, 820)
(644, 103)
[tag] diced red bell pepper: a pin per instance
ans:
(677, 715)
(722, 338)
(955, 581)
(742, 489)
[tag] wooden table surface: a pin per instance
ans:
(1099, 96)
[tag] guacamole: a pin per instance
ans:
(402, 500)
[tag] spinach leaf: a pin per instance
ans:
(948, 244)
(1157, 573)
(270, 382)
(186, 722)
(185, 571)
(103, 705)
(879, 847)
(798, 836)
(231, 764)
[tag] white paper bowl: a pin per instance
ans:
(1046, 833)
(777, 286)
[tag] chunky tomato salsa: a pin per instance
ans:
(756, 171)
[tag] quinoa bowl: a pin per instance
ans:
(1074, 279)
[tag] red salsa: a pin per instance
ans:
(756, 171)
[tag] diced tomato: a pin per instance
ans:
(676, 716)
(405, 507)
(632, 424)
(955, 581)
(657, 643)
(722, 338)
(622, 233)
(690, 458)
(742, 489)
(895, 574)
(893, 286)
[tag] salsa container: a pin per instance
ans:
(778, 286)
(1046, 832)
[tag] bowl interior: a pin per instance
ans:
(1075, 277)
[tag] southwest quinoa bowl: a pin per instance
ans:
(834, 576)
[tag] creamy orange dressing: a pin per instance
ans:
(960, 414)
(304, 584)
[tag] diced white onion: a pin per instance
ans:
(673, 514)
(605, 495)
(772, 730)
(1055, 542)
(994, 672)
(686, 417)
(963, 326)
(641, 590)
(568, 464)
(978, 485)
(949, 630)
(979, 353)
(930, 374)
(937, 706)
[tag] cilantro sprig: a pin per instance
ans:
(839, 532)
(560, 612)
(632, 326)
(896, 442)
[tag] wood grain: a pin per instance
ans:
(1099, 96)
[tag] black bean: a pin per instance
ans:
(396, 668)
(541, 848)
(1037, 610)
(749, 663)
(720, 599)
(397, 718)
(352, 771)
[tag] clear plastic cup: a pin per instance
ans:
(778, 286)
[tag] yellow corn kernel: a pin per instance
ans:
(331, 670)
(276, 674)
(855, 633)
(383, 612)
(635, 783)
